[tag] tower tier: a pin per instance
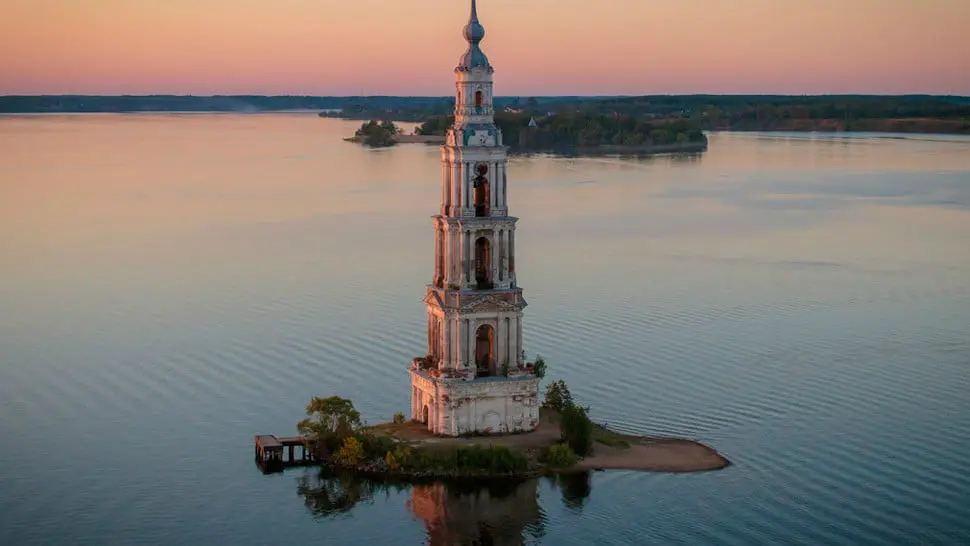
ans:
(474, 253)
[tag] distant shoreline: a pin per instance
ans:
(926, 126)
(405, 139)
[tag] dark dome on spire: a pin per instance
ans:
(473, 32)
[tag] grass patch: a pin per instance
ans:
(602, 435)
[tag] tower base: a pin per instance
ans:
(487, 405)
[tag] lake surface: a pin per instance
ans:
(174, 284)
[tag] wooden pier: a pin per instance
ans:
(269, 452)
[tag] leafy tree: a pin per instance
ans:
(435, 125)
(330, 421)
(577, 429)
(377, 135)
(557, 396)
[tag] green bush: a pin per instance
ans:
(539, 367)
(375, 446)
(403, 457)
(351, 453)
(398, 418)
(497, 459)
(463, 460)
(392, 462)
(576, 429)
(560, 456)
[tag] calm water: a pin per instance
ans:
(174, 284)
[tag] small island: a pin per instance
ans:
(565, 441)
(383, 134)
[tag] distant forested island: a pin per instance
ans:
(883, 113)
(586, 131)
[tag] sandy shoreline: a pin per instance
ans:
(667, 455)
(611, 450)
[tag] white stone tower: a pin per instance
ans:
(474, 378)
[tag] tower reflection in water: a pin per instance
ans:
(495, 512)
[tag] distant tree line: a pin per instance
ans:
(581, 129)
(908, 113)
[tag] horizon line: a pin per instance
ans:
(625, 95)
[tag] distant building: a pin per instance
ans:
(474, 378)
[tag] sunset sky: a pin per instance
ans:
(538, 47)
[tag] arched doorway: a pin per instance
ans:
(482, 197)
(485, 351)
(424, 415)
(483, 263)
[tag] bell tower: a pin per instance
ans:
(474, 377)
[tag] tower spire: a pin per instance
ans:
(474, 33)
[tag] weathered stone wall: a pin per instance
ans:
(484, 406)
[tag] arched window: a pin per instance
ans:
(479, 99)
(485, 351)
(482, 197)
(483, 263)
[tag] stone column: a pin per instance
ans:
(513, 337)
(463, 349)
(500, 177)
(518, 335)
(469, 255)
(453, 189)
(495, 250)
(437, 249)
(462, 248)
(512, 257)
(446, 247)
(443, 255)
(499, 344)
(492, 186)
(505, 185)
(505, 255)
(456, 255)
(508, 343)
(448, 343)
(445, 170)
(466, 182)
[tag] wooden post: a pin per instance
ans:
(291, 454)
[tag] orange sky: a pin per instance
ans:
(539, 47)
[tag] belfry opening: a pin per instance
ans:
(483, 263)
(481, 187)
(484, 351)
